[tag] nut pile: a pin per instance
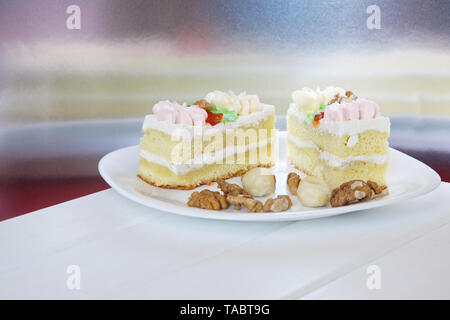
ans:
(237, 197)
(314, 192)
(311, 191)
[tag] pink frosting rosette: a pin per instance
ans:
(175, 113)
(360, 109)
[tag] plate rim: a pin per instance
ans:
(311, 213)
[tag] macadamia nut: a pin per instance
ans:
(313, 192)
(259, 182)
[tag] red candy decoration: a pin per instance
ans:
(214, 118)
(317, 118)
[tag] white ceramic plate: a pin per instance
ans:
(407, 178)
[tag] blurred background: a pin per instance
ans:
(69, 96)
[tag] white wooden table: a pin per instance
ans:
(124, 250)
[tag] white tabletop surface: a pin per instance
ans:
(125, 250)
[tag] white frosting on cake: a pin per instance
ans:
(335, 161)
(242, 103)
(345, 128)
(202, 159)
(151, 122)
(309, 100)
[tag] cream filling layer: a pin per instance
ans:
(151, 122)
(335, 161)
(202, 159)
(345, 128)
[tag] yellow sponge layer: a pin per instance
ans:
(308, 160)
(161, 144)
(370, 142)
(162, 176)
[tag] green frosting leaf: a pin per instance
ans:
(309, 118)
(228, 115)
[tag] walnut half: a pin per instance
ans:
(203, 104)
(231, 188)
(244, 201)
(280, 203)
(355, 191)
(207, 199)
(376, 188)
